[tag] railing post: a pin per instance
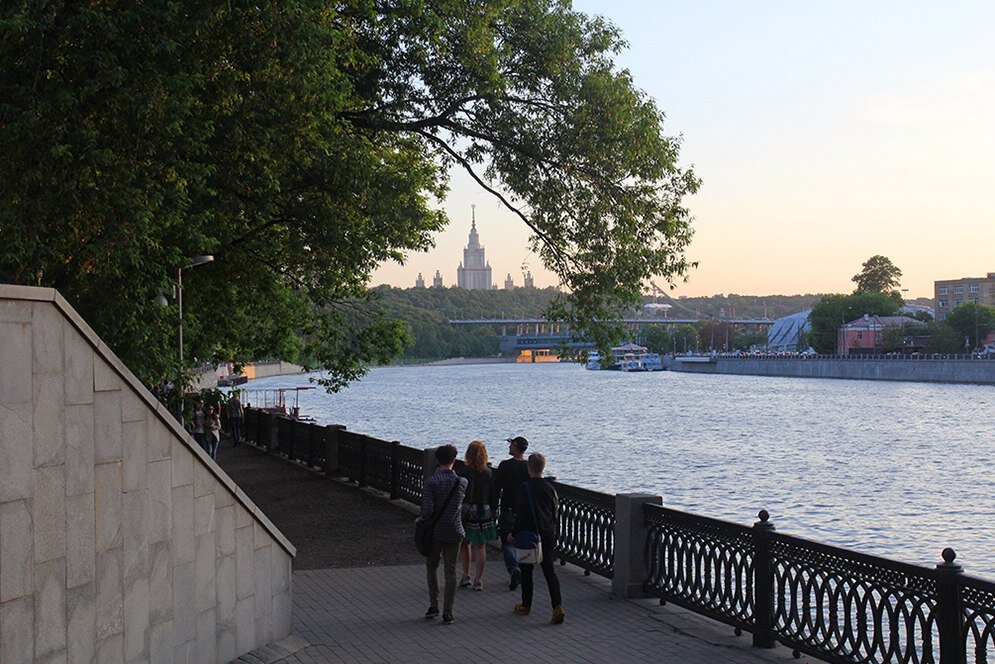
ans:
(429, 463)
(361, 480)
(949, 614)
(331, 466)
(629, 569)
(763, 583)
(273, 441)
(395, 470)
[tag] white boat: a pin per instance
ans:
(627, 357)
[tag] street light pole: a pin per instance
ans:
(904, 340)
(194, 262)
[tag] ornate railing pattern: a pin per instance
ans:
(587, 529)
(702, 564)
(978, 607)
(831, 603)
(852, 607)
(410, 473)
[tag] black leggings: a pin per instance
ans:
(548, 571)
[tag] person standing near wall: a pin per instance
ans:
(235, 415)
(199, 420)
(443, 492)
(212, 425)
(510, 475)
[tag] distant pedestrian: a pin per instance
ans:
(479, 508)
(443, 493)
(213, 433)
(510, 475)
(537, 509)
(235, 415)
(199, 420)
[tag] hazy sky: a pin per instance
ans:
(824, 133)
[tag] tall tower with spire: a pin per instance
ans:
(474, 273)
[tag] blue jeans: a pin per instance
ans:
(211, 445)
(505, 524)
(236, 430)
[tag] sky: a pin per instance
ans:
(824, 132)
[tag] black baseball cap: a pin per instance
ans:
(519, 442)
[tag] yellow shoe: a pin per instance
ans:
(558, 615)
(522, 610)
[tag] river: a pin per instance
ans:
(898, 469)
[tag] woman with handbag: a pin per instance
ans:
(479, 507)
(537, 514)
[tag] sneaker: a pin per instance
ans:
(558, 615)
(432, 612)
(448, 619)
(464, 582)
(478, 586)
(516, 578)
(522, 610)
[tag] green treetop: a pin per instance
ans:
(879, 275)
(303, 144)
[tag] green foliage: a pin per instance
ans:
(832, 311)
(971, 321)
(943, 338)
(657, 339)
(879, 275)
(304, 143)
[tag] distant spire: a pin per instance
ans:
(473, 216)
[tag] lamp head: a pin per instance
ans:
(200, 260)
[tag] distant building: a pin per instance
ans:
(509, 283)
(474, 273)
(953, 292)
(866, 334)
(529, 282)
(437, 280)
(420, 281)
(785, 335)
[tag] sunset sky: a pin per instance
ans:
(824, 133)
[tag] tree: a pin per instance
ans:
(972, 322)
(879, 275)
(833, 311)
(657, 339)
(303, 144)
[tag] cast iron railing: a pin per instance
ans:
(831, 603)
(587, 529)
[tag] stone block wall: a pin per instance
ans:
(120, 539)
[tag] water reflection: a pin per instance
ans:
(896, 469)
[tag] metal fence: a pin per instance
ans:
(831, 603)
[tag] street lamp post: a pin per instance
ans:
(194, 262)
(905, 342)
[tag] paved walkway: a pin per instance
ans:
(372, 611)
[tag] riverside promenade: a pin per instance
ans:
(359, 592)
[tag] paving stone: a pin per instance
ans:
(82, 624)
(107, 431)
(78, 367)
(108, 505)
(136, 460)
(17, 630)
(81, 559)
(160, 583)
(182, 466)
(135, 535)
(205, 580)
(183, 537)
(160, 501)
(225, 589)
(203, 514)
(47, 345)
(206, 636)
(50, 608)
(109, 593)
(49, 423)
(184, 615)
(136, 619)
(161, 643)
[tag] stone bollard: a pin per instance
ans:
(331, 465)
(630, 543)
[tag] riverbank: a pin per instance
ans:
(966, 371)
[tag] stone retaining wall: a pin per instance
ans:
(120, 540)
(936, 371)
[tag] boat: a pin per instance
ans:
(628, 357)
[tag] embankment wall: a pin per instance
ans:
(120, 539)
(935, 371)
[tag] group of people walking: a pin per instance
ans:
(207, 424)
(479, 505)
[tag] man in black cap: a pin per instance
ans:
(510, 475)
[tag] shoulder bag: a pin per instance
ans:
(528, 544)
(425, 529)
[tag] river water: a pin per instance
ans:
(897, 469)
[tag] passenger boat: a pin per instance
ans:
(627, 357)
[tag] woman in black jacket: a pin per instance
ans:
(537, 509)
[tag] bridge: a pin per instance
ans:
(538, 333)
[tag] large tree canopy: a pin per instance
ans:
(833, 311)
(302, 144)
(878, 275)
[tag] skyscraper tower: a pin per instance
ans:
(529, 282)
(420, 281)
(474, 273)
(437, 280)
